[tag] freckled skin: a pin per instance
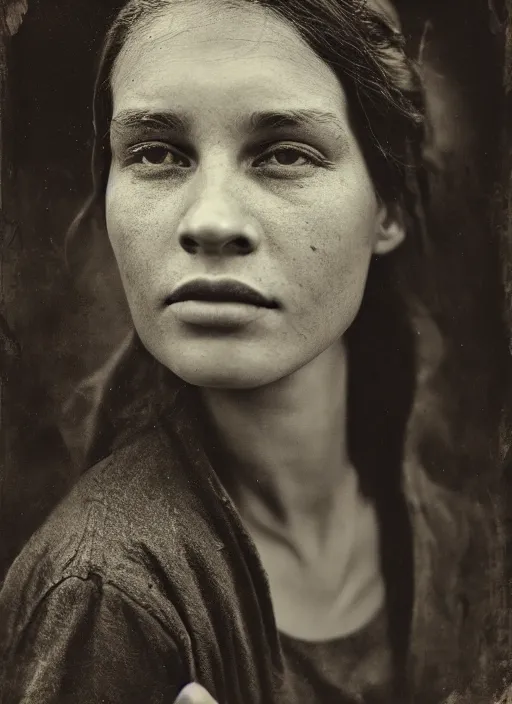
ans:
(216, 68)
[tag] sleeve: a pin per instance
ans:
(89, 643)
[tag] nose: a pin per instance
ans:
(217, 224)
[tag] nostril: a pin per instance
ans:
(242, 244)
(189, 244)
(211, 242)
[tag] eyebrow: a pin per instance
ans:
(260, 121)
(136, 119)
(257, 122)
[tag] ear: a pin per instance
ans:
(390, 230)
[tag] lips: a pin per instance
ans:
(219, 304)
(220, 291)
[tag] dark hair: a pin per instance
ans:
(364, 46)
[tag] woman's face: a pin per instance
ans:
(234, 166)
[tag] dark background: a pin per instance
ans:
(69, 319)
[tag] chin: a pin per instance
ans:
(209, 377)
(222, 372)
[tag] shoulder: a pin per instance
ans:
(86, 639)
(135, 481)
(144, 550)
(122, 525)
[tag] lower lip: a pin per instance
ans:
(214, 314)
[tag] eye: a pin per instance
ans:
(155, 155)
(288, 156)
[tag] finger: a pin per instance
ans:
(194, 694)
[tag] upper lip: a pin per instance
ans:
(220, 291)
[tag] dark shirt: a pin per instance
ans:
(144, 579)
(355, 668)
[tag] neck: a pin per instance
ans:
(286, 442)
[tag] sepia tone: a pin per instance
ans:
(65, 323)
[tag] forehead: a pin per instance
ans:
(199, 53)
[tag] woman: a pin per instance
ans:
(257, 167)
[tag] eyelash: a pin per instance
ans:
(137, 153)
(313, 159)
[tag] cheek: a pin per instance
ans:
(128, 226)
(338, 279)
(339, 247)
(331, 265)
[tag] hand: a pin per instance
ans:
(194, 694)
